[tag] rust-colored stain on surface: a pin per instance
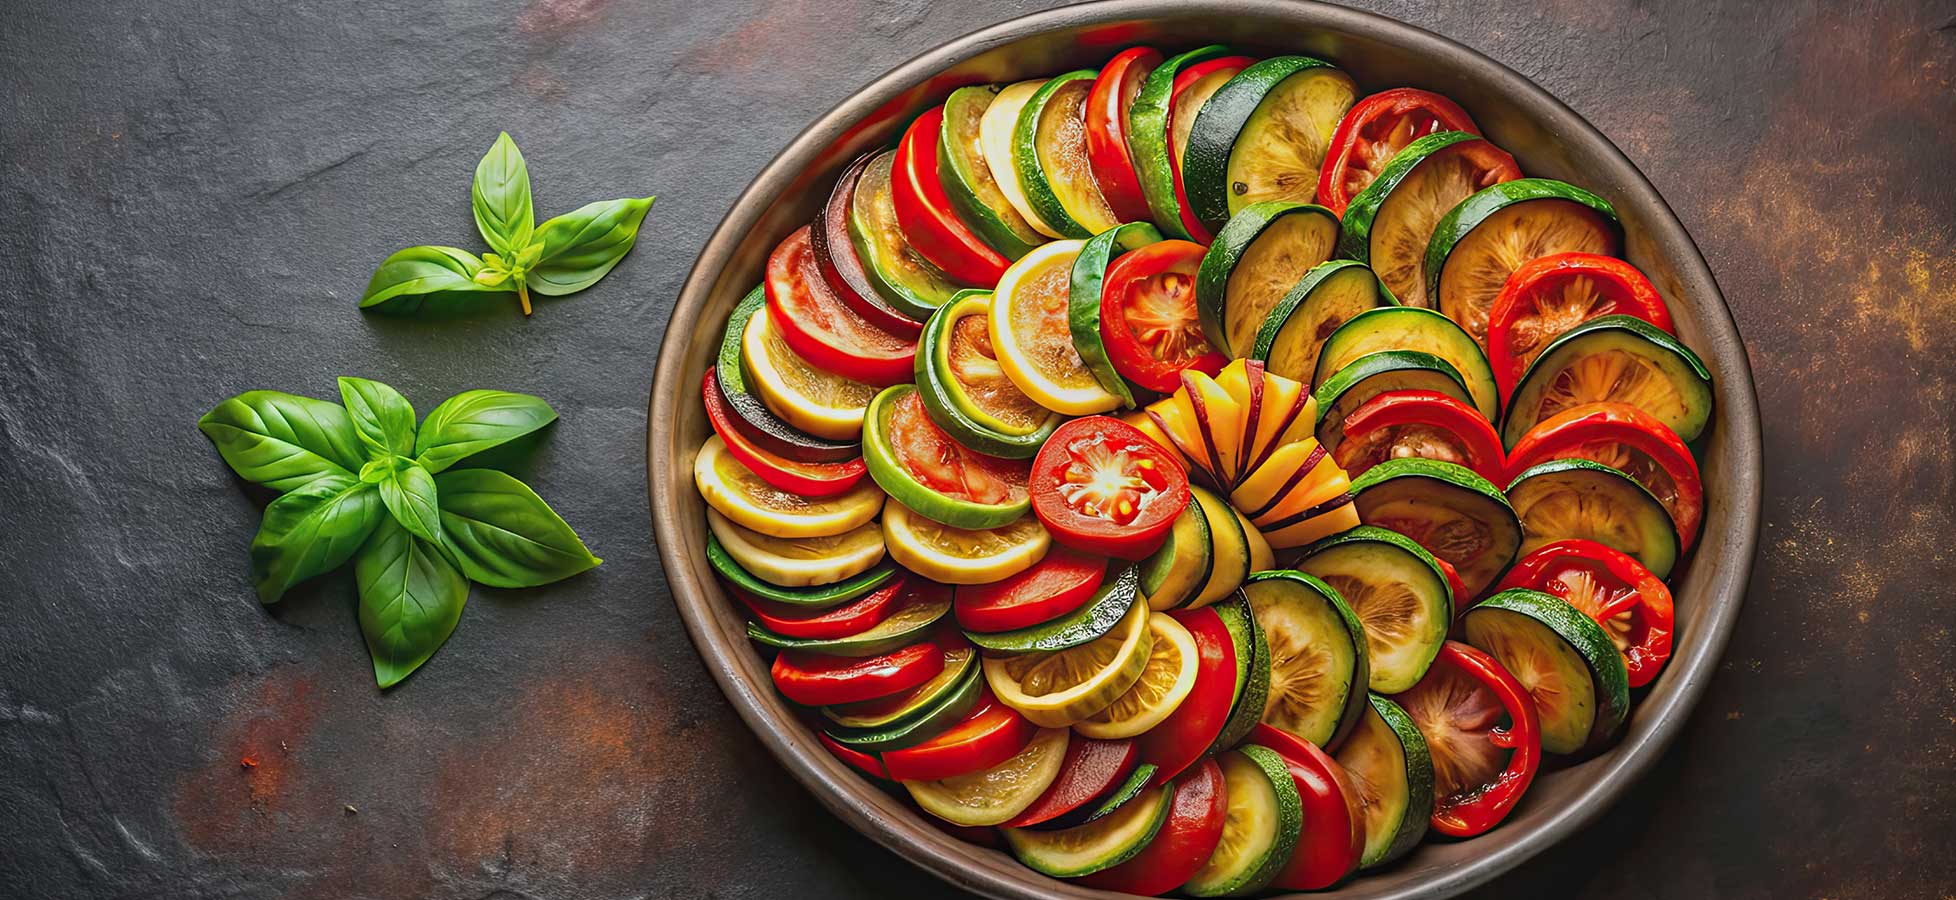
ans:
(225, 806)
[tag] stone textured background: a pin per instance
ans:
(195, 191)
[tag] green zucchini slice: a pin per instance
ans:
(730, 367)
(1390, 222)
(1376, 373)
(909, 624)
(1049, 147)
(1171, 575)
(1579, 498)
(1412, 328)
(887, 469)
(997, 133)
(1088, 278)
(1618, 358)
(1229, 547)
(1455, 514)
(901, 275)
(1252, 671)
(1483, 239)
(1099, 615)
(1397, 591)
(1387, 760)
(925, 723)
(1255, 260)
(1563, 658)
(1263, 136)
(818, 597)
(1318, 662)
(885, 712)
(1266, 818)
(975, 195)
(1100, 844)
(1323, 302)
(965, 390)
(1147, 137)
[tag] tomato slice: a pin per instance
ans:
(942, 464)
(823, 330)
(1549, 295)
(1630, 440)
(1483, 734)
(1148, 319)
(854, 617)
(866, 763)
(806, 479)
(1058, 584)
(1633, 605)
(1195, 826)
(1227, 66)
(1101, 486)
(988, 735)
(1423, 425)
(1373, 131)
(924, 210)
(1186, 735)
(1334, 832)
(1106, 118)
(812, 679)
(1454, 584)
(1091, 768)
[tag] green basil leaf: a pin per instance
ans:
(504, 535)
(409, 493)
(474, 421)
(384, 418)
(579, 247)
(501, 198)
(416, 276)
(283, 441)
(310, 531)
(411, 596)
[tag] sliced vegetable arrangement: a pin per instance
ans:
(1196, 475)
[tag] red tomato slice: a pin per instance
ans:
(1187, 733)
(1630, 440)
(1334, 825)
(864, 762)
(1633, 606)
(1421, 424)
(1183, 79)
(812, 679)
(1373, 131)
(1101, 486)
(823, 330)
(1106, 114)
(1058, 584)
(1195, 825)
(806, 479)
(925, 214)
(990, 734)
(1549, 295)
(1483, 734)
(854, 617)
(942, 464)
(1091, 768)
(1148, 319)
(842, 267)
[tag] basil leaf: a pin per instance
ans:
(408, 490)
(411, 596)
(501, 198)
(412, 277)
(310, 531)
(473, 421)
(579, 247)
(504, 535)
(282, 441)
(384, 418)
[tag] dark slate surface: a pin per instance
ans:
(196, 190)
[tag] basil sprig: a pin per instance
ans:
(560, 257)
(362, 482)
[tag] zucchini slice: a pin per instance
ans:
(1100, 844)
(819, 597)
(1563, 658)
(996, 131)
(1255, 260)
(921, 724)
(920, 612)
(1083, 300)
(1376, 373)
(1147, 137)
(1481, 241)
(1229, 547)
(1397, 591)
(1455, 514)
(966, 391)
(1089, 623)
(1266, 818)
(1318, 663)
(1049, 146)
(1387, 760)
(990, 796)
(907, 281)
(1618, 358)
(1263, 136)
(1579, 498)
(889, 420)
(884, 712)
(1173, 574)
(975, 194)
(1252, 671)
(1390, 222)
(771, 431)
(1293, 335)
(1413, 328)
